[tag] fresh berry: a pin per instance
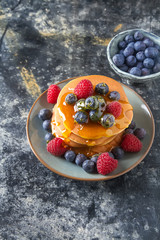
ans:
(89, 166)
(102, 88)
(145, 71)
(101, 101)
(131, 61)
(131, 44)
(128, 131)
(138, 36)
(156, 68)
(139, 65)
(140, 133)
(128, 51)
(117, 152)
(124, 68)
(81, 117)
(132, 125)
(48, 137)
(151, 52)
(71, 98)
(140, 56)
(114, 108)
(47, 125)
(118, 59)
(135, 71)
(122, 45)
(148, 62)
(56, 147)
(131, 143)
(114, 95)
(70, 156)
(148, 42)
(106, 164)
(129, 38)
(95, 115)
(107, 120)
(139, 46)
(52, 93)
(45, 114)
(91, 103)
(80, 158)
(157, 46)
(84, 89)
(80, 105)
(94, 158)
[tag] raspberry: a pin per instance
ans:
(84, 89)
(131, 143)
(52, 94)
(56, 147)
(106, 164)
(114, 108)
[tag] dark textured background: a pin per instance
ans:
(42, 42)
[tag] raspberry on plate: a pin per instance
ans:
(106, 164)
(56, 147)
(114, 108)
(84, 89)
(131, 143)
(52, 94)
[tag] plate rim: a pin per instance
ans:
(92, 179)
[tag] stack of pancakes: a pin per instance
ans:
(90, 138)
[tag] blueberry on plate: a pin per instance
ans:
(95, 115)
(45, 114)
(118, 59)
(148, 62)
(131, 61)
(80, 105)
(138, 36)
(114, 95)
(122, 44)
(47, 125)
(135, 71)
(94, 158)
(128, 131)
(140, 56)
(129, 38)
(91, 103)
(117, 152)
(70, 156)
(148, 42)
(107, 120)
(151, 52)
(145, 71)
(89, 166)
(80, 158)
(139, 46)
(156, 68)
(132, 125)
(102, 88)
(140, 133)
(81, 117)
(128, 51)
(48, 137)
(71, 98)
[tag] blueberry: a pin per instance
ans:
(94, 158)
(81, 117)
(122, 44)
(138, 36)
(118, 59)
(148, 62)
(45, 114)
(140, 133)
(70, 156)
(114, 95)
(95, 115)
(91, 103)
(157, 46)
(128, 131)
(71, 98)
(101, 101)
(80, 158)
(124, 68)
(131, 61)
(80, 105)
(139, 46)
(89, 166)
(135, 71)
(156, 68)
(129, 38)
(139, 65)
(132, 125)
(158, 59)
(121, 52)
(128, 51)
(148, 42)
(118, 152)
(107, 120)
(145, 71)
(102, 88)
(151, 52)
(48, 137)
(131, 44)
(140, 56)
(47, 125)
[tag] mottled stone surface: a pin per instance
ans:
(42, 42)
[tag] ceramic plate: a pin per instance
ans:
(35, 134)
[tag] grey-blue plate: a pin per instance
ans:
(35, 134)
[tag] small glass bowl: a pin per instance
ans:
(112, 49)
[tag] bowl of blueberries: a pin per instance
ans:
(135, 56)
